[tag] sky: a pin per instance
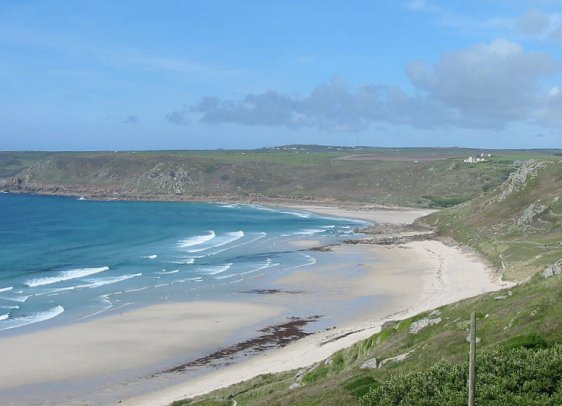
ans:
(207, 74)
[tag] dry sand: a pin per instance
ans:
(134, 339)
(370, 213)
(414, 277)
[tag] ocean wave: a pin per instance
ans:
(230, 275)
(260, 236)
(6, 289)
(137, 290)
(164, 272)
(268, 264)
(197, 240)
(52, 292)
(20, 299)
(108, 305)
(220, 241)
(213, 270)
(33, 318)
(9, 307)
(293, 213)
(96, 283)
(186, 261)
(64, 276)
(231, 206)
(309, 231)
(195, 279)
(311, 261)
(4, 316)
(153, 256)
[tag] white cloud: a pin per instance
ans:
(484, 86)
(494, 83)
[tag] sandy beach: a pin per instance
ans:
(413, 277)
(405, 279)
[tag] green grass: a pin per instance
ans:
(307, 173)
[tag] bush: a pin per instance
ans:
(504, 377)
(529, 341)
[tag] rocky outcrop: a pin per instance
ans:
(398, 358)
(419, 325)
(530, 212)
(554, 269)
(518, 180)
(371, 363)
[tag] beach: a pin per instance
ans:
(116, 358)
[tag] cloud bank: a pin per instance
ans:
(484, 86)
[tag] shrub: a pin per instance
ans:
(504, 377)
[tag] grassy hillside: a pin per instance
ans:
(518, 227)
(434, 177)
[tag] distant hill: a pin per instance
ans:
(422, 177)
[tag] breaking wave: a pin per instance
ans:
(64, 276)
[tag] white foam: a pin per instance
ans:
(137, 290)
(196, 279)
(104, 299)
(221, 241)
(56, 291)
(268, 264)
(260, 236)
(33, 318)
(293, 213)
(64, 276)
(6, 289)
(197, 240)
(164, 272)
(153, 256)
(214, 270)
(311, 261)
(186, 261)
(309, 231)
(96, 283)
(20, 299)
(9, 307)
(4, 316)
(230, 275)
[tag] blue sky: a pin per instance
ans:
(116, 75)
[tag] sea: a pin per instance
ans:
(66, 259)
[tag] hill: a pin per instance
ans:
(422, 177)
(519, 226)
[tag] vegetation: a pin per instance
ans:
(505, 377)
(517, 226)
(423, 177)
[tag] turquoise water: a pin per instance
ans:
(64, 259)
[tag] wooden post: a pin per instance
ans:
(472, 361)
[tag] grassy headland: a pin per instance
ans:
(422, 177)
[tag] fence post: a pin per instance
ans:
(472, 361)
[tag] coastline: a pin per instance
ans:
(448, 273)
(412, 277)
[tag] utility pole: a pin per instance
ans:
(472, 361)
